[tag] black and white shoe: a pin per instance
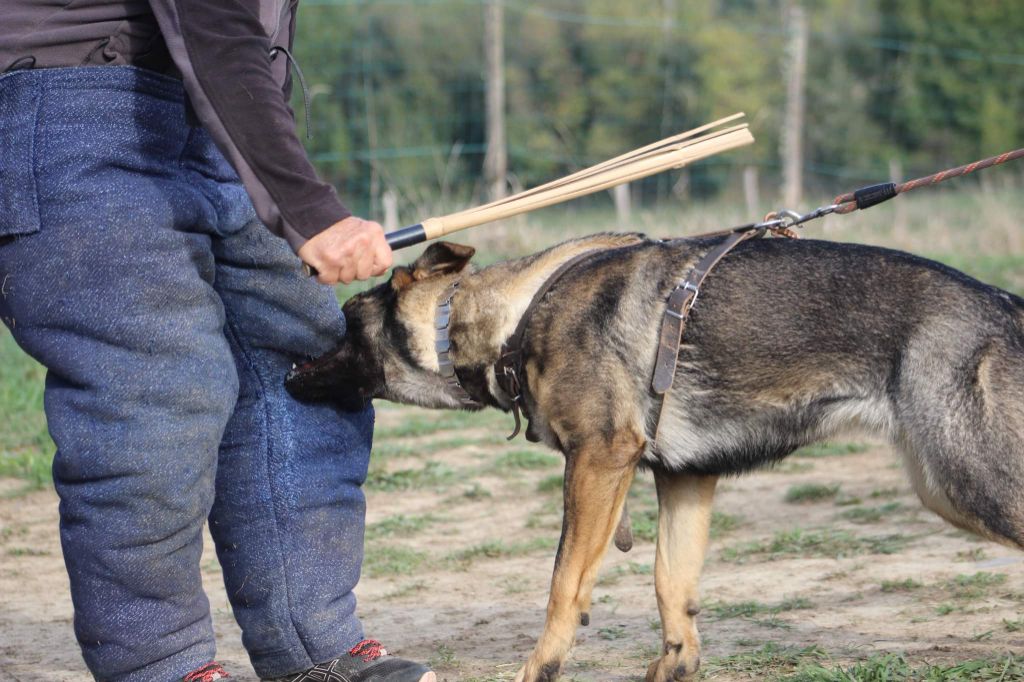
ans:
(367, 661)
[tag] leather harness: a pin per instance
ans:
(509, 371)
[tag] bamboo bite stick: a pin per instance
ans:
(672, 152)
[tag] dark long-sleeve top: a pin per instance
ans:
(222, 50)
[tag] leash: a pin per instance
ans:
(865, 197)
(876, 194)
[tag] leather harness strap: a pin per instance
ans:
(508, 370)
(680, 301)
(443, 347)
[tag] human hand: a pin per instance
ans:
(348, 250)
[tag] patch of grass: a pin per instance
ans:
(632, 568)
(26, 551)
(423, 422)
(497, 549)
(871, 514)
(816, 543)
(444, 657)
(901, 585)
(831, 449)
(384, 449)
(432, 474)
(399, 526)
(32, 465)
(645, 524)
(790, 466)
(381, 560)
(971, 555)
(1014, 625)
(476, 492)
(766, 663)
(722, 523)
(392, 449)
(407, 589)
(26, 450)
(740, 609)
(895, 668)
(749, 609)
(973, 586)
(810, 492)
(551, 484)
(612, 632)
(514, 584)
(525, 459)
(884, 493)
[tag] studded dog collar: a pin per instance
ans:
(443, 347)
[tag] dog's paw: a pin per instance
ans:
(548, 672)
(673, 667)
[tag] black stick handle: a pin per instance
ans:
(406, 236)
(399, 239)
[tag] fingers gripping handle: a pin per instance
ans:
(399, 239)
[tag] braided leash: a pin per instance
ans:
(876, 194)
(780, 222)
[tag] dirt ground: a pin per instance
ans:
(461, 541)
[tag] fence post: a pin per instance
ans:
(389, 200)
(623, 205)
(792, 151)
(751, 191)
(496, 159)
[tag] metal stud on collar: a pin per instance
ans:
(443, 347)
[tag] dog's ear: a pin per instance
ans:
(442, 258)
(401, 277)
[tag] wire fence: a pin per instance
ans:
(398, 93)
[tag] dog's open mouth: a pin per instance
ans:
(316, 379)
(342, 377)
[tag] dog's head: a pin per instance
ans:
(388, 348)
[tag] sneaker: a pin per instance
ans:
(211, 672)
(367, 661)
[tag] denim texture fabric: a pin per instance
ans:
(133, 267)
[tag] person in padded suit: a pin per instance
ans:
(153, 198)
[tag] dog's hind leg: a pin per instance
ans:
(684, 518)
(962, 437)
(597, 478)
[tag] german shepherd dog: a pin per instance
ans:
(790, 342)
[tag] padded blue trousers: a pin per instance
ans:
(133, 267)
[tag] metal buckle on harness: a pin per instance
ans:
(690, 286)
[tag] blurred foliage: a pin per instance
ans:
(398, 89)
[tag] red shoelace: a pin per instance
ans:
(211, 672)
(369, 649)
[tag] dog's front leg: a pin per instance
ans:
(597, 478)
(684, 518)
